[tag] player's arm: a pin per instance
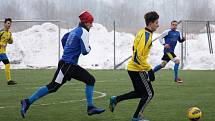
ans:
(163, 41)
(148, 68)
(10, 41)
(85, 46)
(64, 39)
(181, 38)
(160, 37)
(1, 44)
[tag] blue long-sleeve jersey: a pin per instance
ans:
(171, 37)
(76, 43)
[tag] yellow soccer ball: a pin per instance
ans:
(194, 114)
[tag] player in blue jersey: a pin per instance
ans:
(171, 37)
(77, 42)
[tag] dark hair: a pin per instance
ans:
(151, 17)
(7, 19)
(174, 21)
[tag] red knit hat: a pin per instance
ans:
(86, 17)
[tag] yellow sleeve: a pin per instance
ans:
(1, 43)
(10, 41)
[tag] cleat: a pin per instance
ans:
(135, 119)
(24, 107)
(113, 103)
(94, 110)
(179, 80)
(139, 119)
(11, 82)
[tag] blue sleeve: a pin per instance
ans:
(167, 40)
(180, 38)
(166, 37)
(64, 39)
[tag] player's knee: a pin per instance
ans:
(177, 61)
(52, 90)
(151, 95)
(147, 96)
(163, 64)
(91, 81)
(7, 66)
(140, 95)
(53, 87)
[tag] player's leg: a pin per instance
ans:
(165, 59)
(176, 68)
(58, 80)
(130, 95)
(138, 86)
(83, 75)
(146, 93)
(7, 70)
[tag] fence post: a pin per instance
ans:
(59, 41)
(182, 52)
(114, 44)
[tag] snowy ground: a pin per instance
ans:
(38, 47)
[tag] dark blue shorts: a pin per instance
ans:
(168, 56)
(3, 57)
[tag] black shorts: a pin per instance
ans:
(66, 72)
(5, 61)
(168, 56)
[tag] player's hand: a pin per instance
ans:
(3, 46)
(183, 39)
(151, 75)
(167, 46)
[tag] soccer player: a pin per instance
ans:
(68, 68)
(139, 70)
(171, 37)
(6, 38)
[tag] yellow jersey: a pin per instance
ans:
(141, 48)
(5, 38)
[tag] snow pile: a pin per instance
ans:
(38, 47)
(102, 53)
(199, 57)
(35, 47)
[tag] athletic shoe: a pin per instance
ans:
(94, 110)
(179, 80)
(24, 107)
(139, 119)
(11, 82)
(113, 103)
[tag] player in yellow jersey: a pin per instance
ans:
(6, 38)
(140, 72)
